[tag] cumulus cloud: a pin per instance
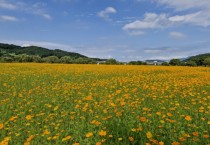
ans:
(105, 13)
(8, 18)
(150, 21)
(155, 21)
(176, 35)
(181, 5)
(198, 15)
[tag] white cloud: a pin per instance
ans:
(156, 21)
(201, 18)
(152, 51)
(6, 5)
(136, 33)
(177, 35)
(168, 57)
(105, 13)
(8, 18)
(46, 16)
(198, 15)
(181, 5)
(38, 8)
(65, 0)
(150, 21)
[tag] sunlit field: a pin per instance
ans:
(58, 104)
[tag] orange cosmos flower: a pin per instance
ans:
(98, 143)
(88, 98)
(89, 134)
(66, 138)
(28, 117)
(175, 143)
(195, 133)
(182, 139)
(158, 113)
(13, 118)
(205, 136)
(143, 119)
(169, 114)
(188, 118)
(5, 141)
(46, 132)
(102, 133)
(1, 126)
(149, 135)
(30, 138)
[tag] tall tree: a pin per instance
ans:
(206, 61)
(175, 62)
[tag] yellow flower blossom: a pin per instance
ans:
(149, 135)
(102, 133)
(89, 134)
(1, 126)
(188, 118)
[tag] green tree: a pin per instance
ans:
(206, 61)
(175, 62)
(165, 64)
(66, 59)
(82, 60)
(191, 63)
(51, 59)
(36, 58)
(23, 58)
(6, 59)
(136, 63)
(111, 61)
(2, 53)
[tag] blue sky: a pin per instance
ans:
(121, 29)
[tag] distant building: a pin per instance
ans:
(154, 62)
(100, 62)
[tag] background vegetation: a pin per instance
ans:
(13, 53)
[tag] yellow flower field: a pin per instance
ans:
(56, 104)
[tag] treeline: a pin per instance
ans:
(84, 60)
(189, 62)
(49, 59)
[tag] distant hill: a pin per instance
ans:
(34, 50)
(198, 58)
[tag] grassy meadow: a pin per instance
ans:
(60, 104)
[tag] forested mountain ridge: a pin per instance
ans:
(34, 50)
(198, 59)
